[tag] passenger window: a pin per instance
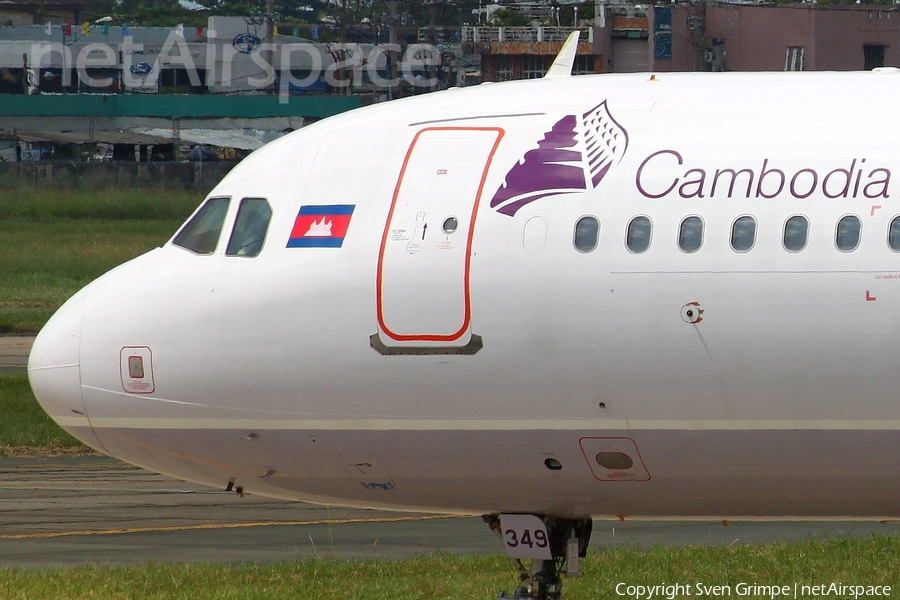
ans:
(587, 233)
(846, 238)
(743, 234)
(637, 237)
(250, 228)
(201, 234)
(894, 234)
(796, 230)
(690, 234)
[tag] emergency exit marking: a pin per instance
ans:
(870, 297)
(874, 208)
(442, 171)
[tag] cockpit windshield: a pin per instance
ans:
(250, 228)
(201, 234)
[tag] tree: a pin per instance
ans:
(163, 13)
(307, 11)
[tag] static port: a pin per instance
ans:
(553, 464)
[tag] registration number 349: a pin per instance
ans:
(525, 536)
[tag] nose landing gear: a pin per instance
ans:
(560, 542)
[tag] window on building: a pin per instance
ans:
(796, 230)
(584, 65)
(743, 233)
(846, 236)
(178, 81)
(793, 60)
(873, 56)
(894, 234)
(201, 233)
(504, 68)
(587, 233)
(535, 66)
(637, 237)
(690, 234)
(250, 228)
(99, 80)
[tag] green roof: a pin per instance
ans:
(174, 106)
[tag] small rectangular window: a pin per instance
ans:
(504, 66)
(136, 367)
(793, 60)
(534, 66)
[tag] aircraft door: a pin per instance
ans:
(423, 301)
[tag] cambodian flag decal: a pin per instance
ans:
(321, 226)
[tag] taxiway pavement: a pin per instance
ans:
(64, 511)
(14, 351)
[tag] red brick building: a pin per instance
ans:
(759, 37)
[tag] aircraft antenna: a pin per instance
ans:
(562, 64)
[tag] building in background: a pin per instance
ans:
(773, 37)
(27, 12)
(231, 56)
(507, 53)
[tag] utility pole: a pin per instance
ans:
(25, 74)
(342, 37)
(432, 10)
(270, 38)
(432, 69)
(393, 40)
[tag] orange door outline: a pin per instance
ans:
(426, 337)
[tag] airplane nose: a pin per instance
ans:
(54, 370)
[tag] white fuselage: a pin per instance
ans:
(497, 367)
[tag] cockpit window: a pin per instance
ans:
(250, 228)
(201, 234)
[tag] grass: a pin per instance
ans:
(44, 263)
(848, 561)
(54, 243)
(25, 429)
(48, 204)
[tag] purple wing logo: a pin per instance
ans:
(576, 153)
